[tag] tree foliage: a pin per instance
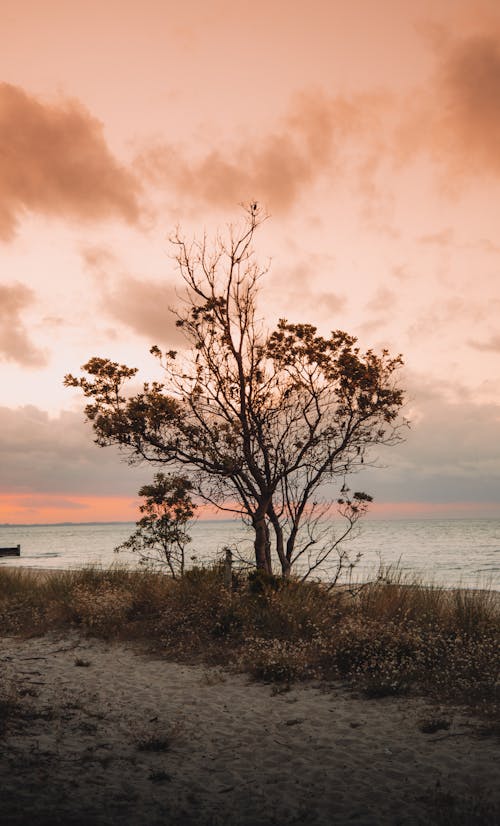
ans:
(161, 534)
(261, 421)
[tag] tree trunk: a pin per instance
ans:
(280, 547)
(262, 544)
(290, 545)
(228, 570)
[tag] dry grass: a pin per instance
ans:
(394, 637)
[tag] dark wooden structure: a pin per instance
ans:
(16, 551)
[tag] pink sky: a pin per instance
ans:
(369, 129)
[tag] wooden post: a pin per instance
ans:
(228, 569)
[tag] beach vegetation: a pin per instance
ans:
(162, 533)
(268, 424)
(393, 636)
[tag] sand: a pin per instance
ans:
(128, 738)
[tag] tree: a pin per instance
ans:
(261, 421)
(161, 535)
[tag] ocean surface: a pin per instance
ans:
(450, 552)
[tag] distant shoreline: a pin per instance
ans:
(370, 518)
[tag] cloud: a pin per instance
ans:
(456, 119)
(486, 245)
(314, 138)
(299, 288)
(142, 305)
(384, 300)
(451, 452)
(15, 343)
(440, 239)
(445, 313)
(402, 272)
(54, 160)
(42, 502)
(470, 94)
(492, 344)
(46, 455)
(360, 140)
(380, 309)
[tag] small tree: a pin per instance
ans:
(262, 421)
(161, 536)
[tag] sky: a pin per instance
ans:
(370, 132)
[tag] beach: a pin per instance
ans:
(105, 732)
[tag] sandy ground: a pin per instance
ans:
(105, 734)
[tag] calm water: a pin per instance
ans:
(446, 551)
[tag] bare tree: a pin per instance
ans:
(260, 420)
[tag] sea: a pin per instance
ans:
(448, 552)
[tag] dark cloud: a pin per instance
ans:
(54, 160)
(15, 342)
(470, 97)
(313, 139)
(141, 304)
(456, 119)
(451, 452)
(144, 306)
(46, 455)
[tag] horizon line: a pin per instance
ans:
(395, 517)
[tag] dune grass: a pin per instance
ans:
(394, 636)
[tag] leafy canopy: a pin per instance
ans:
(161, 534)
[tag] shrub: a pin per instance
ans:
(276, 661)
